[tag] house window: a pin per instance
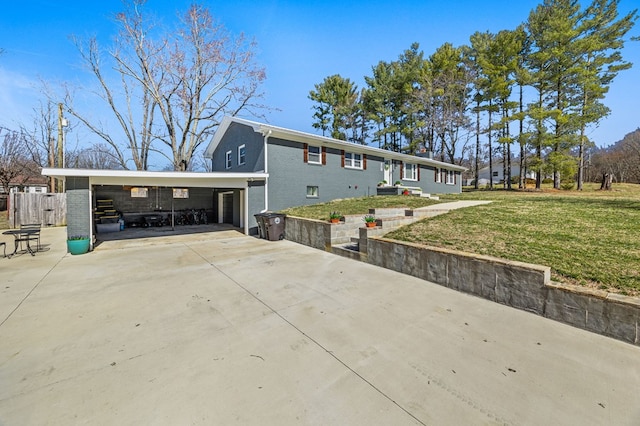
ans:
(495, 174)
(227, 161)
(352, 160)
(410, 171)
(312, 192)
(451, 177)
(438, 176)
(314, 155)
(242, 155)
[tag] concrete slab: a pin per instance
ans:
(221, 328)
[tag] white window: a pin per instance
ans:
(352, 160)
(438, 176)
(314, 155)
(451, 177)
(312, 192)
(410, 171)
(227, 162)
(242, 155)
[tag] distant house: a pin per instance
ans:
(304, 168)
(498, 172)
(28, 184)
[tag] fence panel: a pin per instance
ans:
(47, 209)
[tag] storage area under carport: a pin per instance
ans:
(118, 208)
(105, 202)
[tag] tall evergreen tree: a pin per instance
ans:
(601, 60)
(337, 103)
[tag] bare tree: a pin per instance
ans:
(184, 81)
(98, 156)
(138, 136)
(15, 163)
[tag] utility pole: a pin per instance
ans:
(52, 162)
(62, 122)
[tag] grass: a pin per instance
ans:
(354, 206)
(589, 238)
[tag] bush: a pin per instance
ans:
(567, 185)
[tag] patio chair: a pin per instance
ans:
(35, 236)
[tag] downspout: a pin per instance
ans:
(245, 209)
(266, 171)
(91, 215)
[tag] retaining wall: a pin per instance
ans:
(309, 232)
(520, 285)
(516, 284)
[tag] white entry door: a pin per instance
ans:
(388, 171)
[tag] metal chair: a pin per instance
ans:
(33, 236)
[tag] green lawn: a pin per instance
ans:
(353, 206)
(590, 238)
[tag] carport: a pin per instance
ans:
(101, 201)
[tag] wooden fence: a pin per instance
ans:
(47, 209)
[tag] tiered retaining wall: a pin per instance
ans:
(516, 284)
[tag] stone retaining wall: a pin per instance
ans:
(516, 284)
(308, 232)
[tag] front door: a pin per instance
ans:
(388, 171)
(227, 208)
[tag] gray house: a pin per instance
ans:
(256, 167)
(303, 168)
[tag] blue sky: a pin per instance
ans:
(299, 43)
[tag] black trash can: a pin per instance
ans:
(260, 219)
(274, 226)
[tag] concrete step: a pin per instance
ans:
(348, 250)
(388, 212)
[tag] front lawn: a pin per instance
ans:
(353, 206)
(590, 238)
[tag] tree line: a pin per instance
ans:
(165, 87)
(530, 93)
(620, 161)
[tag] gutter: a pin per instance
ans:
(266, 135)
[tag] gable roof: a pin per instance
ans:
(298, 136)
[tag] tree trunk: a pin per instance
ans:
(477, 174)
(522, 183)
(606, 182)
(490, 150)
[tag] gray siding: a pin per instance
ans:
(427, 180)
(78, 206)
(238, 135)
(289, 176)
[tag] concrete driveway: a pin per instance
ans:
(221, 329)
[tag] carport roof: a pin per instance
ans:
(169, 179)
